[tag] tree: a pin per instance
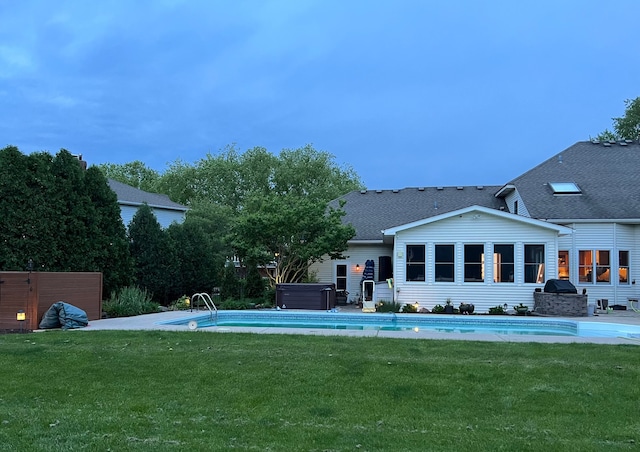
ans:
(154, 259)
(112, 248)
(135, 174)
(292, 232)
(626, 127)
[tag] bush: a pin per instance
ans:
(438, 309)
(496, 310)
(180, 304)
(130, 301)
(410, 308)
(388, 306)
(236, 305)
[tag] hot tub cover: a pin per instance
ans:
(560, 286)
(64, 315)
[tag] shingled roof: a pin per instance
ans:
(607, 174)
(371, 211)
(128, 195)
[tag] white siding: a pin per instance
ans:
(355, 255)
(605, 236)
(511, 199)
(472, 228)
(164, 217)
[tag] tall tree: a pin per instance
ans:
(626, 127)
(154, 259)
(112, 247)
(135, 174)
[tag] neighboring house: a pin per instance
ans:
(575, 216)
(130, 199)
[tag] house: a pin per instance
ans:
(576, 216)
(131, 198)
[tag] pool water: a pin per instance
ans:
(476, 324)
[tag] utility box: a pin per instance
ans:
(318, 296)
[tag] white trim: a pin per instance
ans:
(562, 230)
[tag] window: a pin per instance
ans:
(503, 263)
(341, 277)
(565, 188)
(623, 267)
(515, 207)
(603, 267)
(444, 263)
(474, 263)
(534, 263)
(585, 266)
(601, 273)
(415, 262)
(563, 264)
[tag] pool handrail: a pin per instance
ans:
(208, 302)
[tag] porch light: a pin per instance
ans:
(21, 316)
(357, 267)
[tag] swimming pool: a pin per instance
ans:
(476, 324)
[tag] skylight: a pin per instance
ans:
(565, 188)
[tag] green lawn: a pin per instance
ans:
(120, 390)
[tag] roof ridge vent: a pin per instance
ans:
(363, 192)
(607, 144)
(420, 188)
(595, 141)
(459, 187)
(480, 187)
(378, 191)
(395, 190)
(628, 141)
(623, 143)
(439, 188)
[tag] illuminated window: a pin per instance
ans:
(623, 267)
(603, 267)
(585, 266)
(563, 264)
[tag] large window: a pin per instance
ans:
(474, 263)
(444, 263)
(503, 263)
(623, 267)
(594, 266)
(534, 263)
(415, 263)
(563, 264)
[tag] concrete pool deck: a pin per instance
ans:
(155, 322)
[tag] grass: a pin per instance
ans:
(123, 390)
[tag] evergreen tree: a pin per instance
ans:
(152, 253)
(111, 247)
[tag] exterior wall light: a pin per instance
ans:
(21, 316)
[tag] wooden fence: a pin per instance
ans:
(35, 292)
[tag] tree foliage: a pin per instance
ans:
(154, 260)
(292, 232)
(135, 174)
(626, 127)
(60, 217)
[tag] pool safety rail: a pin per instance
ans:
(208, 302)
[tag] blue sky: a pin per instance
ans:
(407, 92)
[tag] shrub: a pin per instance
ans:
(130, 301)
(410, 308)
(236, 305)
(180, 304)
(496, 310)
(388, 306)
(438, 309)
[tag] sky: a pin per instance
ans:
(406, 92)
